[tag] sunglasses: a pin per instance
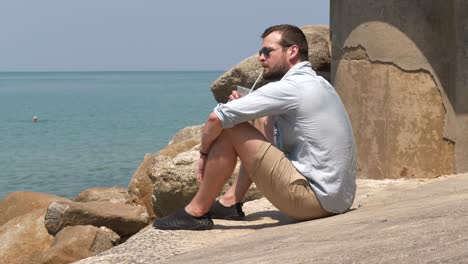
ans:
(266, 51)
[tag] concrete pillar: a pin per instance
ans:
(400, 67)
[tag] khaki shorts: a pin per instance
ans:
(280, 182)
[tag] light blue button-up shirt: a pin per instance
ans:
(313, 130)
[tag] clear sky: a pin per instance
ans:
(88, 35)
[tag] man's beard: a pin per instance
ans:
(276, 73)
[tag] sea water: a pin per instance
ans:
(93, 128)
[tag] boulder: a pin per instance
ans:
(140, 187)
(184, 140)
(112, 194)
(19, 203)
(74, 243)
(124, 219)
(22, 236)
(188, 133)
(175, 182)
(246, 72)
(318, 40)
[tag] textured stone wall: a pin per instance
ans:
(461, 81)
(400, 68)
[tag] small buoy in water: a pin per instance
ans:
(34, 119)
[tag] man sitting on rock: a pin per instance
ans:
(308, 173)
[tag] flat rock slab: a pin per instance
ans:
(393, 221)
(124, 219)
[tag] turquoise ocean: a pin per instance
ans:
(94, 128)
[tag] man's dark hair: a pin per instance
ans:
(291, 35)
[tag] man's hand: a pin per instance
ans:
(201, 167)
(234, 95)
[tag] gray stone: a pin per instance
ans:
(97, 194)
(246, 72)
(140, 188)
(124, 219)
(174, 185)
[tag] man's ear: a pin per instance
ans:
(293, 51)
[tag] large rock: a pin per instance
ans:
(124, 219)
(19, 203)
(187, 134)
(74, 243)
(246, 72)
(184, 140)
(23, 236)
(174, 173)
(175, 182)
(140, 187)
(97, 194)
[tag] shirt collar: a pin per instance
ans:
(301, 66)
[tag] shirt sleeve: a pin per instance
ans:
(272, 99)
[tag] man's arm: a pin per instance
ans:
(211, 131)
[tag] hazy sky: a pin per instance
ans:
(86, 35)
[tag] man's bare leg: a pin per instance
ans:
(238, 189)
(242, 183)
(241, 141)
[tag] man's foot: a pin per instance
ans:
(181, 220)
(233, 212)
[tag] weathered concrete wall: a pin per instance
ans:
(461, 81)
(400, 68)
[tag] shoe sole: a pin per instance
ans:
(231, 218)
(196, 228)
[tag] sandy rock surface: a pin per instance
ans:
(380, 206)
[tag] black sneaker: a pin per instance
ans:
(181, 220)
(233, 212)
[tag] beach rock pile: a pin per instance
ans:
(43, 228)
(246, 72)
